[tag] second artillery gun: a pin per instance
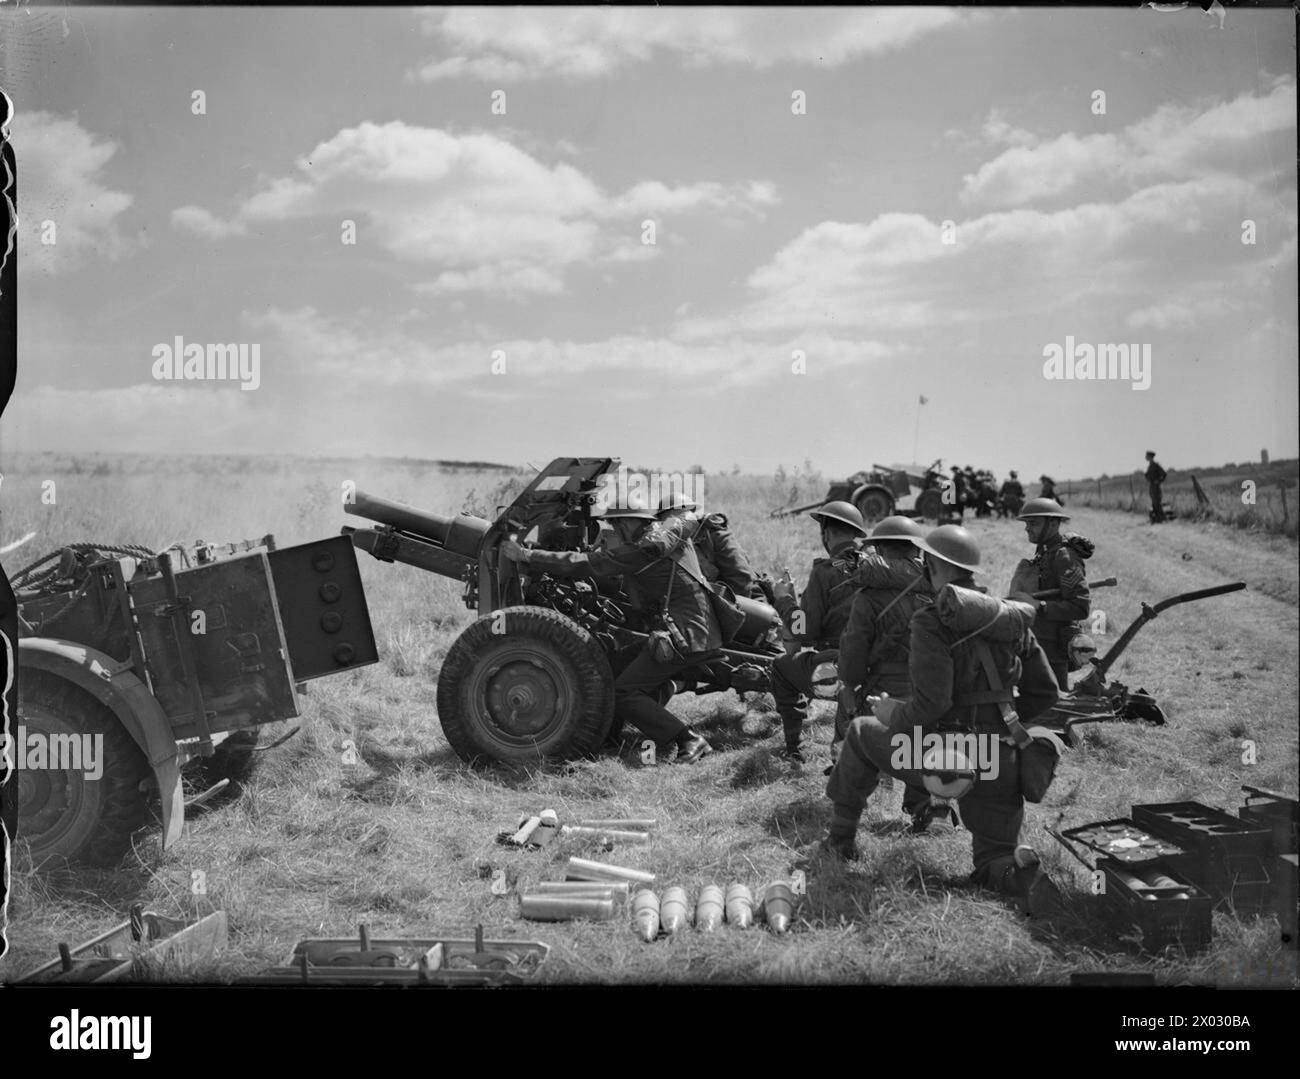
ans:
(533, 677)
(876, 494)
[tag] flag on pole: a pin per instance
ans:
(923, 400)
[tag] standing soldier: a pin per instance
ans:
(958, 495)
(721, 557)
(1011, 497)
(1057, 563)
(969, 654)
(874, 645)
(662, 574)
(1048, 490)
(1155, 477)
(818, 619)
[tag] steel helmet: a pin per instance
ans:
(841, 512)
(1043, 507)
(676, 500)
(636, 505)
(1014, 474)
(897, 527)
(952, 544)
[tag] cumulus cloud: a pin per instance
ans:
(62, 166)
(334, 348)
(1175, 141)
(487, 213)
(199, 222)
(509, 44)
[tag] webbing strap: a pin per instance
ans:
(1018, 733)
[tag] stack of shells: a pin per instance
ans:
(654, 916)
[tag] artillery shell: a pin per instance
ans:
(674, 910)
(616, 890)
(605, 833)
(645, 913)
(583, 869)
(564, 908)
(632, 824)
(778, 905)
(708, 911)
(526, 830)
(740, 906)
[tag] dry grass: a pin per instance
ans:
(404, 839)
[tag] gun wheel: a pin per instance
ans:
(67, 815)
(929, 505)
(525, 684)
(874, 505)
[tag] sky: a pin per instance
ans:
(684, 237)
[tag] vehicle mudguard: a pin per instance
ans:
(115, 684)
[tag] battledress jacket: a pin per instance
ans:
(646, 566)
(875, 640)
(721, 558)
(946, 672)
(825, 601)
(1060, 565)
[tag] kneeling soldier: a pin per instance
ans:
(818, 619)
(969, 652)
(659, 572)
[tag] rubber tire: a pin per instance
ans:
(574, 658)
(929, 505)
(874, 506)
(105, 812)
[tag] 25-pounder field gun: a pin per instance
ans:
(532, 678)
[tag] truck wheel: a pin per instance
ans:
(64, 814)
(538, 688)
(929, 505)
(874, 505)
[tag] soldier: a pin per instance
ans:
(660, 571)
(721, 557)
(1048, 490)
(1057, 563)
(1155, 477)
(817, 620)
(962, 683)
(958, 496)
(874, 644)
(1011, 497)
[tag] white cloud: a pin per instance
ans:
(319, 347)
(1174, 142)
(487, 213)
(62, 176)
(507, 44)
(199, 222)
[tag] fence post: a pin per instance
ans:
(1281, 486)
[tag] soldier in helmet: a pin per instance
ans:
(817, 619)
(971, 658)
(1047, 489)
(874, 644)
(1057, 563)
(721, 557)
(958, 498)
(1012, 496)
(659, 570)
(1155, 477)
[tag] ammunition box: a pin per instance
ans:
(1227, 857)
(1276, 812)
(1176, 913)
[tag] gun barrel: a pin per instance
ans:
(461, 534)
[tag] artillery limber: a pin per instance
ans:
(532, 678)
(134, 663)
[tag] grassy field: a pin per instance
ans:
(403, 840)
(1276, 507)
